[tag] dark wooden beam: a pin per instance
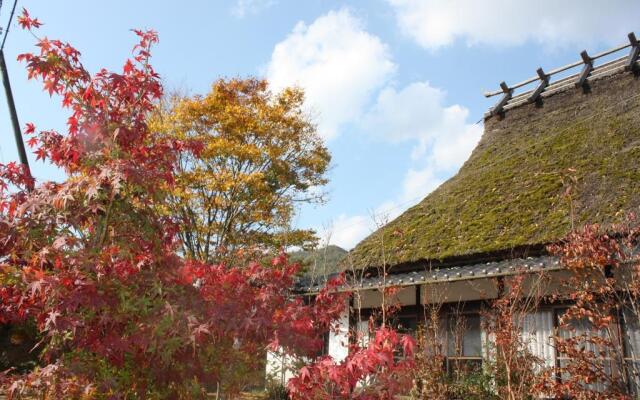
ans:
(634, 53)
(586, 70)
(508, 93)
(544, 82)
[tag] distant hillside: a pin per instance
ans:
(319, 262)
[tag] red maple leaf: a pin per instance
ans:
(26, 22)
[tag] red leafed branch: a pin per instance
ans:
(604, 290)
(94, 265)
(373, 372)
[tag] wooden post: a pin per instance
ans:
(634, 53)
(544, 82)
(508, 93)
(352, 329)
(419, 308)
(586, 70)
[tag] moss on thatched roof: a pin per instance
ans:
(574, 160)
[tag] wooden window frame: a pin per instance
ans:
(451, 361)
(618, 332)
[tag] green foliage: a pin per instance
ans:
(472, 386)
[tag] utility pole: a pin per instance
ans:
(12, 112)
(17, 134)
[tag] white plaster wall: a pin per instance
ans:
(362, 329)
(279, 367)
(339, 337)
(488, 340)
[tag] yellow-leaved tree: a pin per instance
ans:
(262, 156)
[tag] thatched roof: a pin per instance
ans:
(575, 159)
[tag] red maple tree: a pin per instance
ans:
(121, 314)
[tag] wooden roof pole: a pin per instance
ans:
(544, 82)
(508, 93)
(586, 70)
(634, 53)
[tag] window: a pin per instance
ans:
(404, 320)
(632, 349)
(583, 330)
(537, 336)
(464, 343)
(404, 323)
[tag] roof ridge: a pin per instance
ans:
(545, 87)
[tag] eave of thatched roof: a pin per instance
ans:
(449, 274)
(535, 173)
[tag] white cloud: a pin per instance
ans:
(242, 8)
(346, 231)
(443, 136)
(438, 23)
(406, 114)
(418, 183)
(337, 62)
(453, 144)
(346, 73)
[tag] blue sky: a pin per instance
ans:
(395, 86)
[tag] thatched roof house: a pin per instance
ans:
(560, 155)
(571, 157)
